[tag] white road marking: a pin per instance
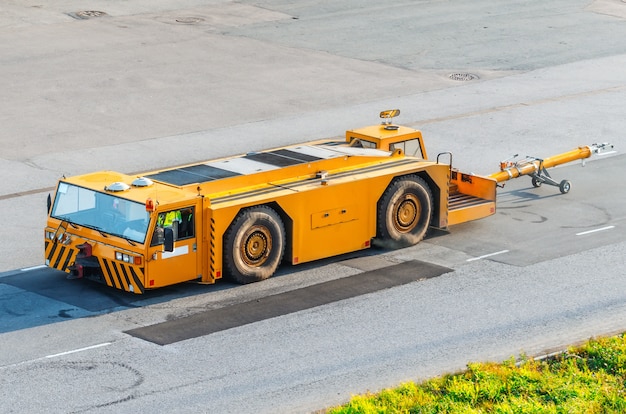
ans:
(17, 364)
(487, 255)
(594, 231)
(79, 350)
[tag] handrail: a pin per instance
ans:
(445, 153)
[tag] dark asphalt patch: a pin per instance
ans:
(205, 323)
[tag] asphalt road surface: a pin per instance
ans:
(140, 85)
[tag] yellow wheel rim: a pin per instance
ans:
(256, 246)
(407, 213)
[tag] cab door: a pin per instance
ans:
(181, 264)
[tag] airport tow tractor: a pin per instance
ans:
(242, 216)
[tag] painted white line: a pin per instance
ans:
(17, 364)
(487, 255)
(26, 269)
(596, 230)
(78, 350)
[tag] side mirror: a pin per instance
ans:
(49, 202)
(168, 244)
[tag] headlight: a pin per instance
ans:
(128, 258)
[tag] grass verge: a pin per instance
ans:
(590, 378)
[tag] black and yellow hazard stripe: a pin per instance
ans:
(213, 272)
(59, 256)
(123, 276)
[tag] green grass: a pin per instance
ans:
(586, 379)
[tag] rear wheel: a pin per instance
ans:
(404, 213)
(565, 186)
(254, 245)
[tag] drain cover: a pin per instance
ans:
(189, 20)
(463, 77)
(89, 14)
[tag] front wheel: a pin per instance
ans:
(404, 212)
(535, 182)
(254, 245)
(565, 186)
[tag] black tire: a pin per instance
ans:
(565, 186)
(536, 183)
(254, 245)
(404, 213)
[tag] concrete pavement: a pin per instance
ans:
(147, 86)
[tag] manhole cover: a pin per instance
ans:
(463, 77)
(89, 14)
(189, 20)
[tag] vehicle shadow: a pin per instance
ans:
(96, 297)
(42, 296)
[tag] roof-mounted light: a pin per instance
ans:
(117, 187)
(150, 205)
(387, 116)
(142, 182)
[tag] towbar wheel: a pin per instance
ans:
(542, 176)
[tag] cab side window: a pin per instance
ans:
(410, 147)
(186, 227)
(181, 221)
(361, 143)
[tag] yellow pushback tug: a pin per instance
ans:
(241, 216)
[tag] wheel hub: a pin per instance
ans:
(407, 213)
(257, 246)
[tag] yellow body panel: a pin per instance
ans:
(471, 197)
(327, 216)
(470, 213)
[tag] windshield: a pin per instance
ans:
(104, 212)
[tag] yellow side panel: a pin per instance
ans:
(323, 220)
(474, 185)
(332, 219)
(323, 217)
(168, 268)
(471, 197)
(333, 216)
(471, 213)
